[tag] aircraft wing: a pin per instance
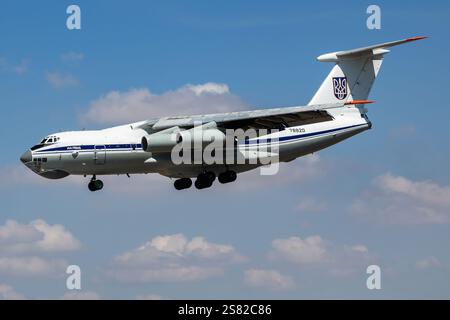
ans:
(258, 119)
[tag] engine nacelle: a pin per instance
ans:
(197, 137)
(162, 141)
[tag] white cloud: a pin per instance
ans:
(398, 200)
(313, 251)
(173, 258)
(347, 260)
(141, 104)
(58, 80)
(13, 232)
(32, 266)
(70, 57)
(25, 248)
(208, 88)
(37, 236)
(267, 279)
(81, 295)
(310, 250)
(8, 293)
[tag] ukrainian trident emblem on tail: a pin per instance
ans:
(340, 87)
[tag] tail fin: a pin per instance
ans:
(353, 74)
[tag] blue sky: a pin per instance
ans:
(309, 232)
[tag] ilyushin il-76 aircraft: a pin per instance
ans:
(336, 112)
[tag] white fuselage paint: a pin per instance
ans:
(118, 150)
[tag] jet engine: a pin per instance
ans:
(162, 141)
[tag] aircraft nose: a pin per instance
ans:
(26, 157)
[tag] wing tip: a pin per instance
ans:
(416, 38)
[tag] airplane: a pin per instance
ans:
(336, 112)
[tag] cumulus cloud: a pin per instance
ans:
(173, 258)
(37, 236)
(314, 251)
(267, 279)
(8, 293)
(141, 104)
(81, 295)
(58, 80)
(32, 266)
(302, 251)
(399, 200)
(25, 248)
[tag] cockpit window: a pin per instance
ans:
(45, 142)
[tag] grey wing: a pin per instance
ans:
(258, 119)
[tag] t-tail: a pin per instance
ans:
(354, 73)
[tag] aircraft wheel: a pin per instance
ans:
(183, 183)
(205, 180)
(211, 176)
(95, 185)
(91, 186)
(227, 177)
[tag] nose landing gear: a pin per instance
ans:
(95, 185)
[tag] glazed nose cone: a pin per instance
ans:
(26, 157)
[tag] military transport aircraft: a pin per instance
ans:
(336, 112)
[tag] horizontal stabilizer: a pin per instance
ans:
(371, 50)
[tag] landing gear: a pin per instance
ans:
(205, 180)
(183, 183)
(95, 184)
(227, 177)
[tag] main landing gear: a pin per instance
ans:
(227, 177)
(183, 183)
(205, 180)
(95, 184)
